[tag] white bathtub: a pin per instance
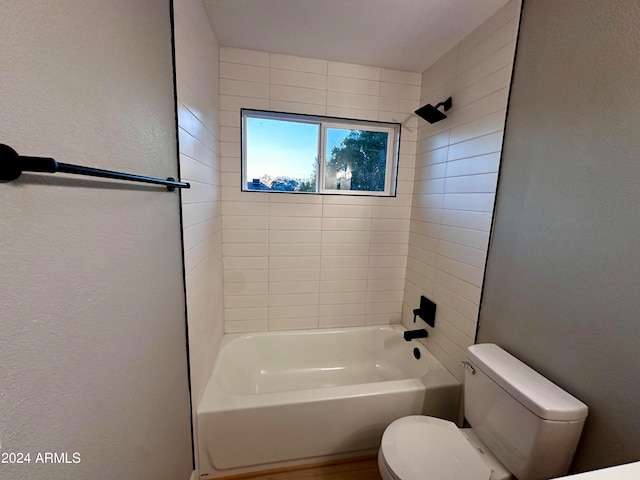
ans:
(284, 398)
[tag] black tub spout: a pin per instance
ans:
(411, 334)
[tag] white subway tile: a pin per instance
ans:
(292, 311)
(385, 285)
(477, 146)
(380, 212)
(482, 183)
(498, 59)
(352, 113)
(294, 249)
(345, 237)
(340, 321)
(250, 73)
(295, 236)
(343, 274)
(479, 202)
(245, 222)
(243, 326)
(248, 313)
(234, 103)
(334, 298)
(352, 100)
(237, 288)
(245, 263)
(471, 256)
(348, 224)
(281, 300)
(383, 273)
(394, 90)
(341, 309)
(389, 237)
(489, 163)
(296, 107)
(353, 85)
(389, 248)
(247, 57)
(344, 262)
(298, 94)
(245, 208)
(347, 211)
(342, 249)
(358, 285)
(391, 104)
(242, 88)
(295, 223)
(294, 287)
(465, 236)
(462, 271)
(295, 210)
(399, 76)
(294, 263)
(497, 39)
(483, 126)
(456, 302)
(379, 308)
(461, 218)
(502, 17)
(291, 275)
(293, 323)
(484, 87)
(244, 301)
(393, 261)
(383, 318)
(245, 276)
(352, 70)
(390, 224)
(298, 79)
(301, 64)
(245, 236)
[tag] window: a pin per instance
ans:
(285, 152)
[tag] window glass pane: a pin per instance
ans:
(281, 155)
(355, 159)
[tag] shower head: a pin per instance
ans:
(431, 114)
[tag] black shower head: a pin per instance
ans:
(431, 114)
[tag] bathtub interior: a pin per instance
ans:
(318, 359)
(323, 396)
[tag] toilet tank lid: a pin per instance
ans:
(541, 396)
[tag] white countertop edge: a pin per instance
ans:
(628, 471)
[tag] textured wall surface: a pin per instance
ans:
(561, 290)
(454, 183)
(309, 261)
(92, 346)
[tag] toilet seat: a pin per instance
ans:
(419, 447)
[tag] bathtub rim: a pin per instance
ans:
(215, 399)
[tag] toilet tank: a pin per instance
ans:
(530, 424)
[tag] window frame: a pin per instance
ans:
(394, 130)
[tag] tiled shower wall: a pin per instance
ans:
(198, 133)
(313, 261)
(455, 182)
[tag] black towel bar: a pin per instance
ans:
(12, 165)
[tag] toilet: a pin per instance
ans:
(522, 426)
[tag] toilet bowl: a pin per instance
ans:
(524, 427)
(414, 447)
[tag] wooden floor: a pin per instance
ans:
(366, 469)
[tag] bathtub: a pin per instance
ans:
(278, 399)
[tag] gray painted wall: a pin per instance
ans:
(92, 327)
(562, 288)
